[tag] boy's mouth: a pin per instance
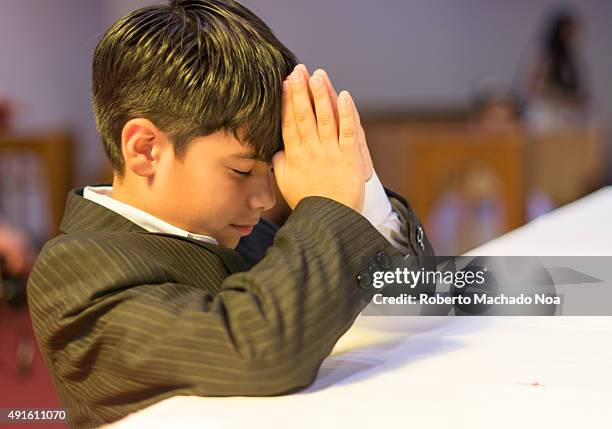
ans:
(243, 229)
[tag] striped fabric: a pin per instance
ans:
(126, 318)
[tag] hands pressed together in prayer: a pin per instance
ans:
(325, 153)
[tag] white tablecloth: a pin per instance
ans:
(477, 372)
(583, 227)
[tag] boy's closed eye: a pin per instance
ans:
(242, 173)
(250, 169)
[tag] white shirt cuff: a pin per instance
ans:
(376, 205)
(378, 210)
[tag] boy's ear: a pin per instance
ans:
(142, 145)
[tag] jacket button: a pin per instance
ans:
(365, 280)
(419, 237)
(383, 260)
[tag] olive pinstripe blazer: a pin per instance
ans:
(126, 318)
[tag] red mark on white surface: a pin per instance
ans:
(534, 384)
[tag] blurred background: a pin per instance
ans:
(484, 114)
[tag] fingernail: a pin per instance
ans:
(343, 101)
(315, 81)
(296, 77)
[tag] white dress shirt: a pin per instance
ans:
(376, 209)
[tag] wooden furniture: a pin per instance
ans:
(568, 164)
(53, 150)
(428, 162)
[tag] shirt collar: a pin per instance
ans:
(101, 195)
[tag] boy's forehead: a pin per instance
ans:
(247, 152)
(225, 144)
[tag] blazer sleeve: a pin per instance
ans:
(411, 235)
(147, 337)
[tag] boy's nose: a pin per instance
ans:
(264, 196)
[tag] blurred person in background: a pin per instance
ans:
(494, 107)
(557, 95)
(16, 250)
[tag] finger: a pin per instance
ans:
(332, 93)
(365, 156)
(359, 127)
(347, 126)
(356, 112)
(291, 137)
(330, 87)
(304, 70)
(326, 122)
(303, 109)
(362, 144)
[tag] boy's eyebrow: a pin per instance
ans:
(245, 155)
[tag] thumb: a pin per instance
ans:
(366, 159)
(278, 161)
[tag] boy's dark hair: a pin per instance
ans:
(191, 67)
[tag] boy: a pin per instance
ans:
(169, 283)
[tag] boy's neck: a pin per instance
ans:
(135, 191)
(125, 192)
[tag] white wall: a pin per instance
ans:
(398, 52)
(45, 55)
(388, 53)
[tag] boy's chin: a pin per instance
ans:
(232, 235)
(229, 241)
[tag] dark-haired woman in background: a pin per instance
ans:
(557, 95)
